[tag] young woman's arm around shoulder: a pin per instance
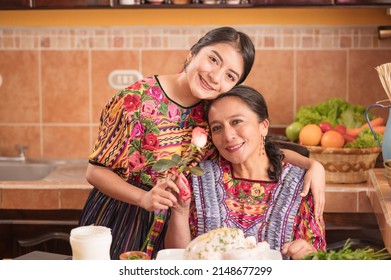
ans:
(314, 178)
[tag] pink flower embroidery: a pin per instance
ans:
(148, 109)
(138, 130)
(136, 161)
(173, 112)
(156, 93)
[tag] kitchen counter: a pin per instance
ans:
(64, 188)
(379, 193)
(67, 189)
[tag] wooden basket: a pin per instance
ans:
(345, 165)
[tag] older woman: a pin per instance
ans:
(249, 186)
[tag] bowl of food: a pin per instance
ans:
(228, 244)
(134, 255)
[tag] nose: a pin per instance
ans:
(229, 133)
(216, 75)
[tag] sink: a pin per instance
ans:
(24, 171)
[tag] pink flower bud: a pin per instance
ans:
(199, 137)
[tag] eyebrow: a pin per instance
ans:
(217, 54)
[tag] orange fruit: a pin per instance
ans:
(332, 139)
(310, 135)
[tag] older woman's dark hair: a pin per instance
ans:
(256, 103)
(231, 36)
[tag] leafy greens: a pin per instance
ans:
(335, 111)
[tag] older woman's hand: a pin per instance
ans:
(298, 249)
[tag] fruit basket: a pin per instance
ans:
(345, 165)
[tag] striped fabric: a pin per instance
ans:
(269, 211)
(139, 126)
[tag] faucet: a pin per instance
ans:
(20, 157)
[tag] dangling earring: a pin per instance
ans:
(263, 152)
(185, 64)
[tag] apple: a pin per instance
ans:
(292, 131)
(340, 128)
(325, 126)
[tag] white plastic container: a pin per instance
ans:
(91, 243)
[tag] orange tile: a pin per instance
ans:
(162, 61)
(102, 64)
(66, 142)
(320, 75)
(272, 74)
(30, 199)
(20, 135)
(364, 84)
(65, 91)
(19, 87)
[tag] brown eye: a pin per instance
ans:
(215, 128)
(231, 77)
(213, 59)
(236, 122)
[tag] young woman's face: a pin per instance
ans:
(236, 130)
(213, 70)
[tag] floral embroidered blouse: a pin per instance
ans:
(140, 125)
(270, 211)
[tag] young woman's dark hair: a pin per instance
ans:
(256, 103)
(231, 36)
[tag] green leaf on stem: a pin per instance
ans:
(163, 165)
(176, 158)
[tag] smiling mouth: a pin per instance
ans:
(234, 148)
(205, 84)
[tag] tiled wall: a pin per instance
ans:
(55, 81)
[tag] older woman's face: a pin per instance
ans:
(236, 130)
(213, 70)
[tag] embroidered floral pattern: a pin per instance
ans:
(141, 125)
(245, 191)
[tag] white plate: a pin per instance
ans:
(170, 254)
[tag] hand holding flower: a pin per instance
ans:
(178, 165)
(161, 196)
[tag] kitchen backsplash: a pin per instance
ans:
(55, 81)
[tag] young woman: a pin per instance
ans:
(249, 186)
(153, 119)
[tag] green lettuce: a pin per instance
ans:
(335, 111)
(365, 140)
